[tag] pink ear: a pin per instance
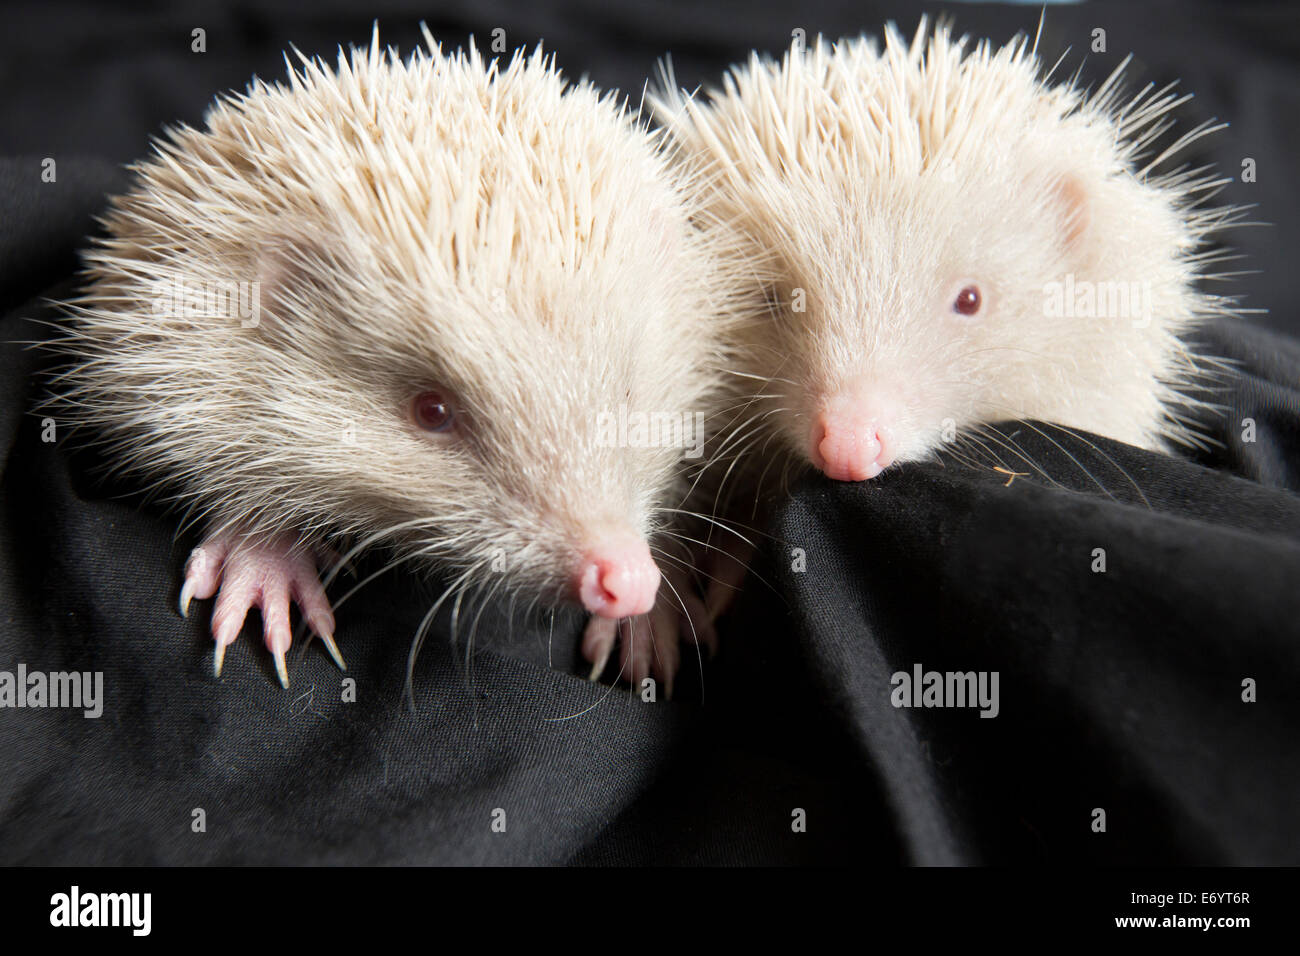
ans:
(283, 261)
(1072, 199)
(286, 268)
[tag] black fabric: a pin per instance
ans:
(1119, 690)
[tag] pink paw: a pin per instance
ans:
(265, 573)
(651, 643)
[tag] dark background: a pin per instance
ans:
(1119, 691)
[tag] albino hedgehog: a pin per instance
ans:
(935, 239)
(389, 304)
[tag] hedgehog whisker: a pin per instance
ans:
(695, 639)
(732, 556)
(717, 523)
(1116, 465)
(758, 489)
(482, 601)
(1078, 464)
(977, 445)
(387, 566)
(456, 587)
(1011, 445)
(550, 638)
(760, 378)
(369, 540)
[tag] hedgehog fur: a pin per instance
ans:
(855, 188)
(485, 228)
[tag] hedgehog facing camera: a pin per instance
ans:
(941, 239)
(454, 269)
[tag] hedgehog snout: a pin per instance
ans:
(616, 576)
(851, 439)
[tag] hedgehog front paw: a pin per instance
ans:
(263, 572)
(650, 643)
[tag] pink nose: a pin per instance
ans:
(849, 447)
(617, 577)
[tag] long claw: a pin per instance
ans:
(281, 668)
(598, 668)
(597, 643)
(333, 651)
(269, 573)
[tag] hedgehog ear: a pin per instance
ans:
(1070, 199)
(288, 268)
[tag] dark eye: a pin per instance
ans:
(968, 301)
(432, 411)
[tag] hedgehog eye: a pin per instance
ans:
(432, 412)
(968, 301)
